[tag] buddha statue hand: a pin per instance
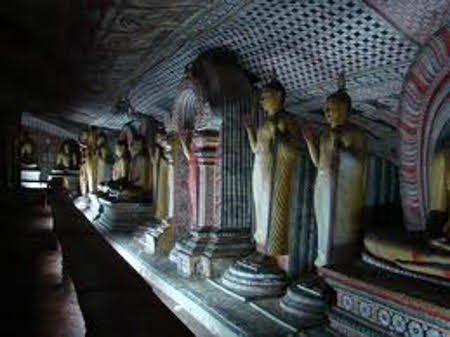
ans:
(307, 132)
(247, 119)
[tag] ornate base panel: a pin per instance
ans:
(208, 254)
(363, 309)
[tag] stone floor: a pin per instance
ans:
(36, 300)
(114, 299)
(38, 293)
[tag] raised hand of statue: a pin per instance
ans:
(307, 132)
(247, 119)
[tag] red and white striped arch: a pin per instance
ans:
(424, 109)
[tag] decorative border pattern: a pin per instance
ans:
(386, 318)
(419, 90)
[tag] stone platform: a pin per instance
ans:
(71, 178)
(372, 302)
(30, 177)
(222, 313)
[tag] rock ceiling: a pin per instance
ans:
(141, 47)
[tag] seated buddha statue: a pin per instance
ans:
(66, 157)
(340, 157)
(27, 152)
(430, 256)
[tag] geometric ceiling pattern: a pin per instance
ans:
(141, 49)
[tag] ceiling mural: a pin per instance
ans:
(141, 49)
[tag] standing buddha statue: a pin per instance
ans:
(102, 159)
(340, 157)
(275, 145)
(140, 174)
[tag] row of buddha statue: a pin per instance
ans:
(339, 153)
(340, 156)
(137, 173)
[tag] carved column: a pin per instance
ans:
(187, 253)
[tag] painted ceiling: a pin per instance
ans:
(140, 48)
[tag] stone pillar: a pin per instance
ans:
(211, 244)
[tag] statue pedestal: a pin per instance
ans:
(71, 177)
(207, 253)
(157, 237)
(123, 215)
(307, 299)
(255, 276)
(373, 302)
(30, 177)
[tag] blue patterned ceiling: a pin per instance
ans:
(141, 50)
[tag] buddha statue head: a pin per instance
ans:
(272, 97)
(337, 108)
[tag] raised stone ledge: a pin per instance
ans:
(221, 312)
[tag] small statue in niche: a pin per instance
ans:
(275, 145)
(140, 174)
(102, 159)
(340, 157)
(27, 151)
(67, 156)
(430, 256)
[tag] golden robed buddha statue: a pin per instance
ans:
(88, 170)
(340, 157)
(275, 145)
(102, 158)
(140, 174)
(431, 256)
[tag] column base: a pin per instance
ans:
(157, 237)
(208, 254)
(307, 299)
(256, 275)
(123, 216)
